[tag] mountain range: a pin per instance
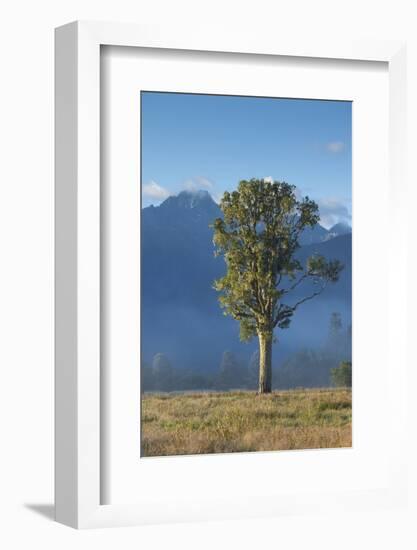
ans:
(180, 313)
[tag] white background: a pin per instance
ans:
(26, 275)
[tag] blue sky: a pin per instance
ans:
(211, 142)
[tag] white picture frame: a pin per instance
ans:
(78, 264)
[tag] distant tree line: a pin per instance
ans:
(329, 365)
(161, 376)
(342, 375)
(315, 367)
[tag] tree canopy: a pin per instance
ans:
(258, 237)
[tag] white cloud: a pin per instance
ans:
(198, 182)
(333, 211)
(217, 197)
(269, 179)
(335, 146)
(153, 190)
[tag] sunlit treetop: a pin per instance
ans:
(258, 237)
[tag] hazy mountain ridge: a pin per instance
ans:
(199, 205)
(181, 315)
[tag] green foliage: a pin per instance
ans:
(258, 238)
(342, 375)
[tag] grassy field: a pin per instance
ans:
(195, 423)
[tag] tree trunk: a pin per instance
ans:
(265, 362)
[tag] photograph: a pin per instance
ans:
(246, 274)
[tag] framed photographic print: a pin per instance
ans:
(267, 248)
(221, 205)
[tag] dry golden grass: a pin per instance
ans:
(200, 423)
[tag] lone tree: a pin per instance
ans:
(258, 237)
